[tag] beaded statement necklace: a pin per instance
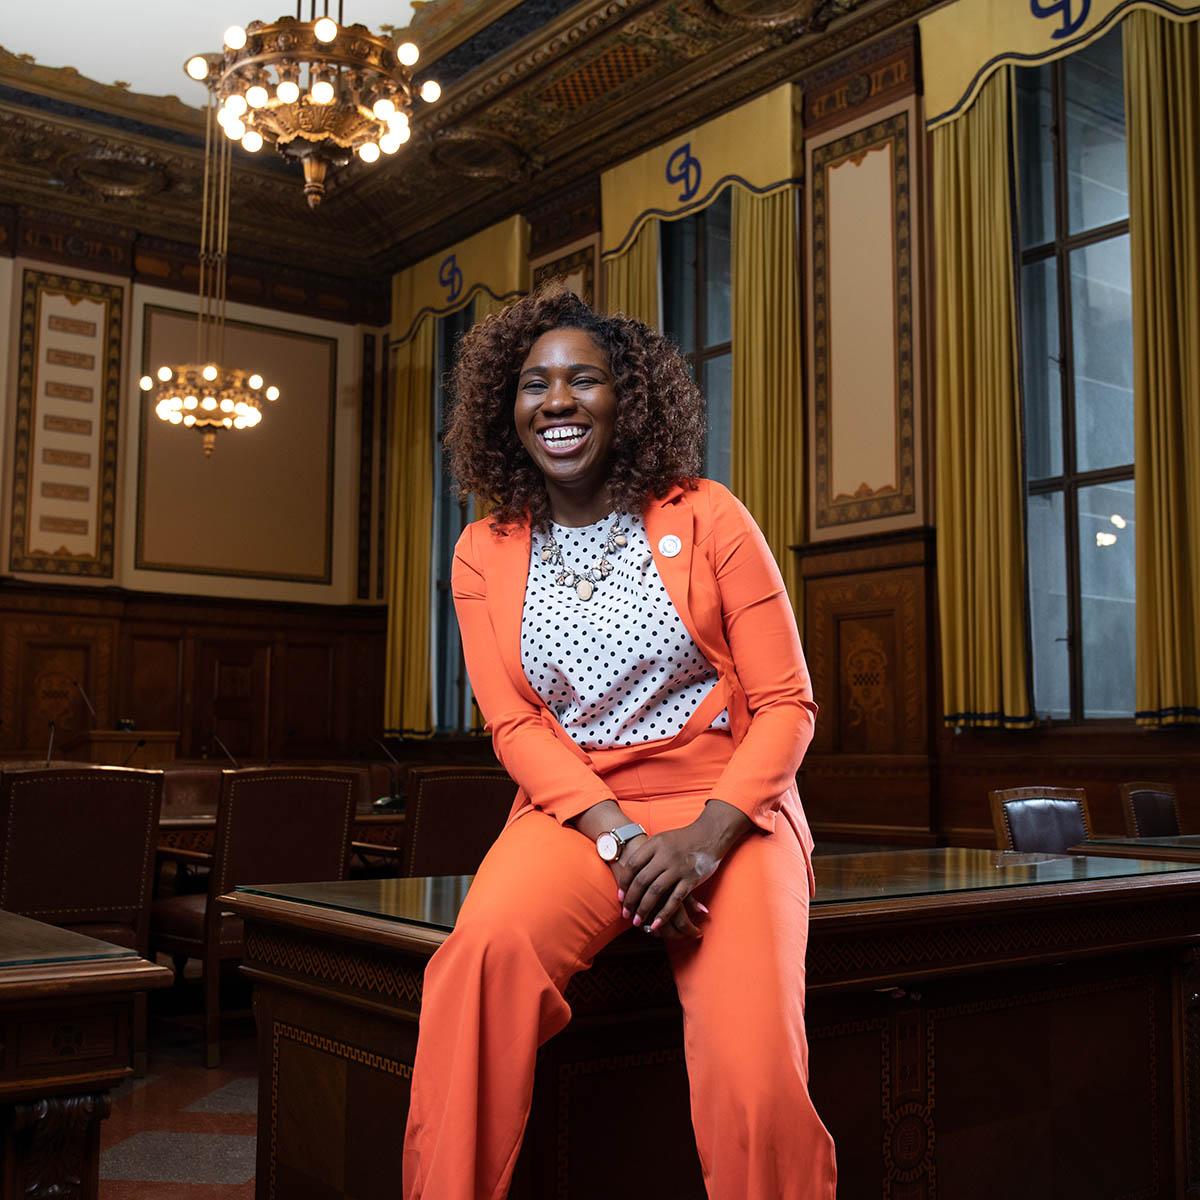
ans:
(584, 582)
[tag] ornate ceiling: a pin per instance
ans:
(538, 94)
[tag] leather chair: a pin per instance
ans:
(452, 815)
(274, 825)
(1042, 820)
(190, 789)
(77, 850)
(1151, 809)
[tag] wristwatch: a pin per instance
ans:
(609, 845)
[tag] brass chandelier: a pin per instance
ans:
(320, 91)
(207, 394)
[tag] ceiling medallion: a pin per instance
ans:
(206, 394)
(318, 90)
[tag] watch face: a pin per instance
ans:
(607, 846)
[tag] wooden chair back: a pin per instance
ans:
(282, 825)
(1151, 809)
(77, 848)
(1044, 820)
(452, 815)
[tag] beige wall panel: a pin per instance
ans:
(862, 314)
(864, 284)
(8, 383)
(272, 514)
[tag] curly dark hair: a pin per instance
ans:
(660, 412)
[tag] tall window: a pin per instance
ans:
(451, 690)
(697, 313)
(1077, 376)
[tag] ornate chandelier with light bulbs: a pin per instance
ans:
(319, 90)
(207, 394)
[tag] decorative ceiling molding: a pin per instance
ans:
(595, 84)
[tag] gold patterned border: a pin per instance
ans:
(34, 285)
(578, 257)
(893, 501)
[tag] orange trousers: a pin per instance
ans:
(541, 907)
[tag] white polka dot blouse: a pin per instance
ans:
(620, 668)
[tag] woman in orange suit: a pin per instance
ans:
(632, 647)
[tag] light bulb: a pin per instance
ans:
(163, 409)
(190, 402)
(252, 140)
(272, 393)
(407, 53)
(189, 420)
(430, 90)
(235, 129)
(176, 418)
(235, 37)
(322, 92)
(368, 152)
(288, 91)
(235, 104)
(240, 408)
(257, 96)
(226, 404)
(325, 30)
(401, 134)
(383, 107)
(228, 422)
(390, 142)
(209, 372)
(197, 67)
(254, 416)
(164, 373)
(239, 423)
(145, 383)
(176, 402)
(222, 116)
(255, 381)
(399, 117)
(208, 403)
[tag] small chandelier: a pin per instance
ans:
(319, 90)
(206, 394)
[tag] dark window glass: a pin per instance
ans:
(698, 314)
(1077, 380)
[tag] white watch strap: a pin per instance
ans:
(628, 832)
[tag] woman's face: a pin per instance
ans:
(566, 409)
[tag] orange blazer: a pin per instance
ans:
(728, 591)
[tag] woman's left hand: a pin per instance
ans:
(661, 871)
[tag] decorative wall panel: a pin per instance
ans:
(65, 443)
(863, 323)
(575, 265)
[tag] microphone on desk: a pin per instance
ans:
(50, 744)
(237, 765)
(392, 800)
(79, 689)
(136, 747)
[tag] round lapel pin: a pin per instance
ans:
(669, 546)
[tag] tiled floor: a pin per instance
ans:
(184, 1132)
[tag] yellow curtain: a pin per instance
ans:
(1162, 97)
(631, 280)
(768, 419)
(980, 511)
(409, 702)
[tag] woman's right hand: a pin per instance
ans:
(683, 922)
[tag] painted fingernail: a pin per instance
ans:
(625, 914)
(620, 893)
(702, 907)
(637, 918)
(657, 923)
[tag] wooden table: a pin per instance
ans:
(982, 1025)
(66, 1020)
(1180, 849)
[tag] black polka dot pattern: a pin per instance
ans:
(619, 669)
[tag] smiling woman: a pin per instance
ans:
(623, 386)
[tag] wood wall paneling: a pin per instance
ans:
(310, 673)
(232, 686)
(152, 682)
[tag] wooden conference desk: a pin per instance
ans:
(982, 1025)
(66, 1017)
(1183, 848)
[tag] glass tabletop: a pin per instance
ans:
(1186, 841)
(841, 879)
(25, 942)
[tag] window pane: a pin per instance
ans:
(1103, 343)
(1048, 605)
(1035, 116)
(1040, 369)
(1097, 177)
(718, 392)
(1107, 597)
(679, 281)
(717, 311)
